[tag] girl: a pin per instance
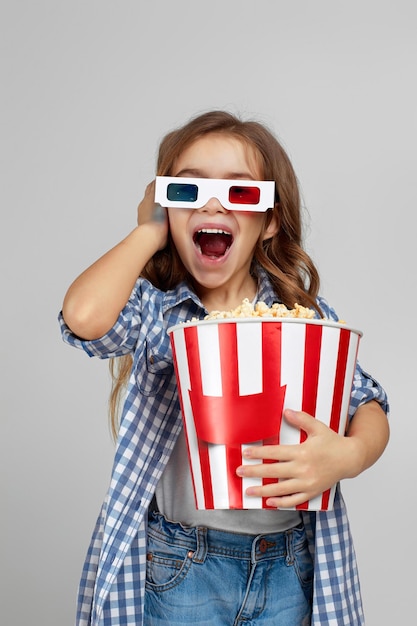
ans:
(155, 559)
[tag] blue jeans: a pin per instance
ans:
(209, 577)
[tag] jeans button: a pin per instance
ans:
(263, 545)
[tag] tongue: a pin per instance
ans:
(213, 244)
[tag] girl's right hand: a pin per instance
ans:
(149, 212)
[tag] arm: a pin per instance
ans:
(322, 460)
(94, 300)
(368, 432)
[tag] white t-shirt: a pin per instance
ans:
(175, 500)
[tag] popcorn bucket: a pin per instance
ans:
(236, 376)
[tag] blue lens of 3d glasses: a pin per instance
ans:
(181, 192)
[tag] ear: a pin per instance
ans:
(272, 227)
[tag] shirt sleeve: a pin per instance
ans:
(119, 340)
(364, 387)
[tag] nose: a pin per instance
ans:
(213, 205)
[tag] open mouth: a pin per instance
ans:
(212, 242)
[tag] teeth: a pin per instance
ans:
(213, 231)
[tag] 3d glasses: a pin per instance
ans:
(234, 195)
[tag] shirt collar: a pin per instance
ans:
(180, 294)
(266, 292)
(183, 292)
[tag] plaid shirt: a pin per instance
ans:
(112, 586)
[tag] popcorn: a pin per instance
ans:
(260, 309)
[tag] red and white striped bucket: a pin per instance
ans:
(235, 378)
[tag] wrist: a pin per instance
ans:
(355, 456)
(153, 235)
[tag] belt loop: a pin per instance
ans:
(201, 551)
(289, 538)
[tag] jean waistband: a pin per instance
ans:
(203, 541)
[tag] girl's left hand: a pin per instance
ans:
(304, 470)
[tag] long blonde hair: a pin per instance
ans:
(292, 272)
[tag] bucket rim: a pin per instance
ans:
(251, 320)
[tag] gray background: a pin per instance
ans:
(88, 89)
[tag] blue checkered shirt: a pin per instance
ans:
(112, 586)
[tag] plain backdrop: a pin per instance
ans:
(88, 88)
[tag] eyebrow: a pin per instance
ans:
(196, 173)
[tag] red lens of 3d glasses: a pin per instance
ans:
(244, 195)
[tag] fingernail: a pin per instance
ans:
(271, 503)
